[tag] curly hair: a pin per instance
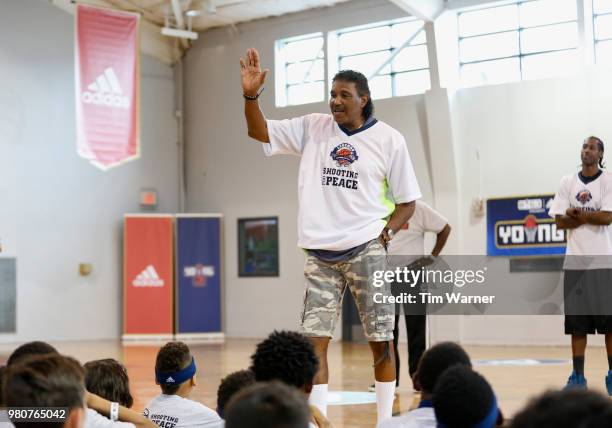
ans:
(437, 359)
(108, 378)
(569, 408)
(363, 89)
(230, 385)
(286, 356)
(171, 358)
(462, 398)
(268, 405)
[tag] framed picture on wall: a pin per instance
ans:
(258, 246)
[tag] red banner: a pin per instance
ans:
(107, 86)
(148, 291)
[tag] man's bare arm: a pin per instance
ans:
(252, 79)
(567, 222)
(399, 216)
(598, 218)
(441, 239)
(102, 406)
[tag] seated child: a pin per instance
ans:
(175, 373)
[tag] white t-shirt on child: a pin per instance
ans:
(94, 419)
(4, 420)
(423, 417)
(173, 411)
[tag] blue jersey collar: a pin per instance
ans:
(368, 124)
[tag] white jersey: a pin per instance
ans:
(588, 239)
(4, 420)
(423, 417)
(173, 411)
(94, 419)
(408, 244)
(345, 180)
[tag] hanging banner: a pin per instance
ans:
(107, 86)
(148, 248)
(198, 272)
(521, 226)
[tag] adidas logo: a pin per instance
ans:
(169, 380)
(148, 278)
(106, 91)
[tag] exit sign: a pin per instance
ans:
(148, 198)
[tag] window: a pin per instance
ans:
(602, 30)
(392, 55)
(300, 70)
(528, 39)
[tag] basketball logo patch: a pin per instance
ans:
(584, 196)
(344, 154)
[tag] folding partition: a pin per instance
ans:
(148, 280)
(172, 279)
(198, 299)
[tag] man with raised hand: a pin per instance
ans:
(356, 188)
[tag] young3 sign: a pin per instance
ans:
(521, 226)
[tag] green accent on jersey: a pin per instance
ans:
(385, 198)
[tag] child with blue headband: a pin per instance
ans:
(175, 373)
(464, 399)
(432, 364)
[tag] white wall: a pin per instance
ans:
(529, 135)
(56, 210)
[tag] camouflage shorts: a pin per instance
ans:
(325, 286)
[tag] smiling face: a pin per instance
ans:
(346, 105)
(591, 152)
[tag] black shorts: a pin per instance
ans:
(588, 301)
(588, 324)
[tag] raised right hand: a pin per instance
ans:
(251, 75)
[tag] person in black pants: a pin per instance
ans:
(407, 249)
(415, 318)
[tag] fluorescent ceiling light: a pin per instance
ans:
(184, 34)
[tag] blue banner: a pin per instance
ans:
(521, 226)
(198, 271)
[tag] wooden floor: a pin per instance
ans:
(350, 370)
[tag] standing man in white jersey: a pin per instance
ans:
(407, 250)
(583, 206)
(350, 163)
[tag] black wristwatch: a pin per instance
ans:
(253, 97)
(390, 234)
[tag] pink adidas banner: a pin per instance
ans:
(107, 86)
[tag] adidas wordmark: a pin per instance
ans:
(148, 278)
(106, 91)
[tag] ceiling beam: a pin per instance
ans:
(427, 10)
(461, 4)
(180, 21)
(152, 42)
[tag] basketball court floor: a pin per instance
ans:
(516, 373)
